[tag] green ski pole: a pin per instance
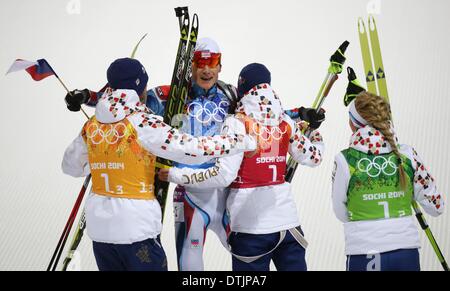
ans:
(424, 225)
(336, 64)
(133, 53)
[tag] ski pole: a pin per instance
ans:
(76, 241)
(65, 87)
(65, 234)
(424, 225)
(133, 53)
(336, 64)
(63, 238)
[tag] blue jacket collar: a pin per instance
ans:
(197, 91)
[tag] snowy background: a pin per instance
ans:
(294, 39)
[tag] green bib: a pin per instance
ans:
(374, 190)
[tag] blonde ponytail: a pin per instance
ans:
(377, 112)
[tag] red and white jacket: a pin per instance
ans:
(260, 201)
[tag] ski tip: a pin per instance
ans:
(372, 24)
(195, 20)
(361, 26)
(180, 11)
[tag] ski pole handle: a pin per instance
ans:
(344, 46)
(336, 62)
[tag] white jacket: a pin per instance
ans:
(124, 221)
(378, 236)
(259, 210)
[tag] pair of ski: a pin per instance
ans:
(175, 104)
(179, 87)
(376, 84)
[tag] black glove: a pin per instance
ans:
(312, 117)
(75, 98)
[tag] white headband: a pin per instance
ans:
(356, 119)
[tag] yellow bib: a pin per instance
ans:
(120, 166)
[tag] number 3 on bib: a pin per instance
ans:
(119, 188)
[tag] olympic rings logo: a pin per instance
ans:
(210, 110)
(106, 132)
(374, 169)
(267, 134)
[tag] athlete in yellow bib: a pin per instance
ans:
(118, 147)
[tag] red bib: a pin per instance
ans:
(268, 165)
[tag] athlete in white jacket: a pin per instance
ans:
(118, 147)
(371, 199)
(263, 215)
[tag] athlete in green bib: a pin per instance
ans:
(374, 190)
(375, 181)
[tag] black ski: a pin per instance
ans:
(178, 88)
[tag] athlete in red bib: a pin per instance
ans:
(263, 216)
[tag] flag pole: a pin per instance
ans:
(64, 85)
(67, 89)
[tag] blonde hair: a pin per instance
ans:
(377, 112)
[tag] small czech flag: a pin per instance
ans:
(38, 70)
